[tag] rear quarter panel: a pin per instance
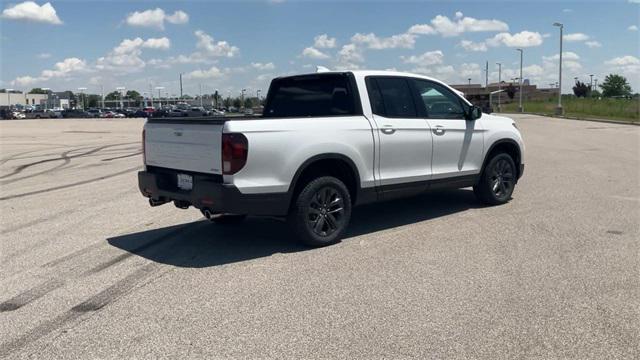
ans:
(279, 147)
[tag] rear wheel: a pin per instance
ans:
(321, 212)
(497, 181)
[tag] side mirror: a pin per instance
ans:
(475, 112)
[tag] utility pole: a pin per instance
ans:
(181, 86)
(520, 109)
(559, 110)
(102, 96)
(200, 94)
(242, 99)
(499, 84)
(486, 75)
(151, 93)
(591, 85)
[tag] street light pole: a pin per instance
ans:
(121, 91)
(82, 89)
(520, 108)
(499, 84)
(559, 110)
(9, 97)
(46, 103)
(591, 84)
(159, 95)
(242, 99)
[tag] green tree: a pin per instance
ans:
(38, 91)
(134, 97)
(237, 103)
(114, 95)
(511, 91)
(615, 85)
(93, 101)
(581, 89)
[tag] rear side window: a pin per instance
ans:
(391, 97)
(314, 95)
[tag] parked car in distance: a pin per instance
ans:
(327, 142)
(94, 113)
(18, 115)
(74, 113)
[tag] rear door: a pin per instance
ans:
(457, 142)
(184, 146)
(404, 138)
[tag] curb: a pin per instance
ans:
(619, 122)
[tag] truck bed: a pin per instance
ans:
(217, 120)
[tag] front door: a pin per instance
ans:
(457, 143)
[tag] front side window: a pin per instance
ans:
(393, 98)
(438, 101)
(315, 95)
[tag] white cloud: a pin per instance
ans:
(212, 73)
(633, 28)
(162, 43)
(31, 11)
(426, 59)
(178, 17)
(405, 41)
(421, 29)
(593, 44)
(627, 65)
(349, 57)
(44, 55)
(126, 57)
(155, 18)
(566, 55)
(324, 42)
(62, 69)
(313, 53)
(575, 37)
(210, 47)
(473, 46)
(263, 66)
(447, 27)
(521, 39)
(567, 10)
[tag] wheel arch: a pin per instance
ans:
(345, 169)
(508, 146)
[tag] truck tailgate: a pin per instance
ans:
(184, 146)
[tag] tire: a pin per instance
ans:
(320, 214)
(498, 180)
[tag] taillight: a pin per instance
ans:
(144, 147)
(234, 152)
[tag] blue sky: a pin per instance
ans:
(243, 44)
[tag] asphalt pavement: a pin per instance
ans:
(89, 271)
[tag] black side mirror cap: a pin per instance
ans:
(475, 112)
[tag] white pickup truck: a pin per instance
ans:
(327, 142)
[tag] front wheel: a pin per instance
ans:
(321, 212)
(497, 181)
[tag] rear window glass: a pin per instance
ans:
(317, 95)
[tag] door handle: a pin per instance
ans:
(439, 130)
(388, 129)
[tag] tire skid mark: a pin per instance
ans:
(40, 290)
(36, 221)
(36, 192)
(87, 307)
(30, 295)
(61, 157)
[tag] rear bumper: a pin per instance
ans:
(209, 193)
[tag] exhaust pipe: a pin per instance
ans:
(157, 202)
(181, 204)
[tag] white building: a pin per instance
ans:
(22, 99)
